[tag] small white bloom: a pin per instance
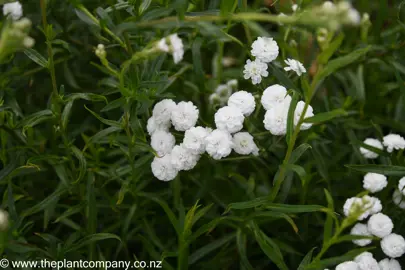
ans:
(398, 199)
(243, 144)
(182, 159)
(223, 91)
(244, 101)
(353, 17)
(374, 182)
(275, 119)
(219, 144)
(177, 48)
(3, 220)
(329, 7)
(163, 169)
(366, 205)
(380, 225)
(294, 7)
(255, 70)
(361, 230)
(229, 119)
(162, 111)
(374, 143)
(393, 245)
(162, 142)
(13, 9)
(184, 116)
(162, 45)
(349, 265)
(295, 66)
(274, 95)
(265, 49)
(298, 112)
(233, 84)
(365, 261)
(152, 126)
(389, 264)
(28, 42)
(394, 141)
(214, 99)
(194, 139)
(401, 185)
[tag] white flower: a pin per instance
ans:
(366, 205)
(152, 126)
(172, 44)
(401, 185)
(349, 265)
(365, 261)
(374, 182)
(244, 101)
(255, 70)
(194, 139)
(162, 142)
(380, 225)
(13, 9)
(274, 95)
(374, 143)
(184, 116)
(265, 49)
(214, 99)
(361, 230)
(233, 84)
(393, 245)
(298, 112)
(295, 65)
(162, 111)
(182, 159)
(223, 91)
(389, 264)
(329, 7)
(243, 144)
(275, 119)
(219, 144)
(393, 141)
(177, 48)
(294, 7)
(398, 199)
(353, 17)
(3, 220)
(163, 169)
(229, 119)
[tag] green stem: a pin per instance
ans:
(280, 179)
(51, 64)
(182, 259)
(105, 29)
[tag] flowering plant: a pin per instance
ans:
(204, 134)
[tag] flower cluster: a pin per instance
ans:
(337, 14)
(218, 143)
(391, 142)
(174, 45)
(14, 10)
(378, 225)
(266, 50)
(223, 92)
(276, 102)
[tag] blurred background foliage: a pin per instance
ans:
(75, 170)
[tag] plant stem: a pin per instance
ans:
(51, 65)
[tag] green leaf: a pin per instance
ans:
(388, 170)
(85, 18)
(48, 201)
(282, 78)
(35, 119)
(82, 162)
(291, 116)
(306, 260)
(299, 170)
(341, 62)
(323, 117)
(248, 204)
(328, 227)
(66, 114)
(36, 57)
(91, 239)
(86, 96)
(205, 250)
(276, 215)
(100, 135)
(298, 152)
(144, 6)
(336, 260)
(270, 248)
(105, 121)
(241, 245)
(326, 54)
